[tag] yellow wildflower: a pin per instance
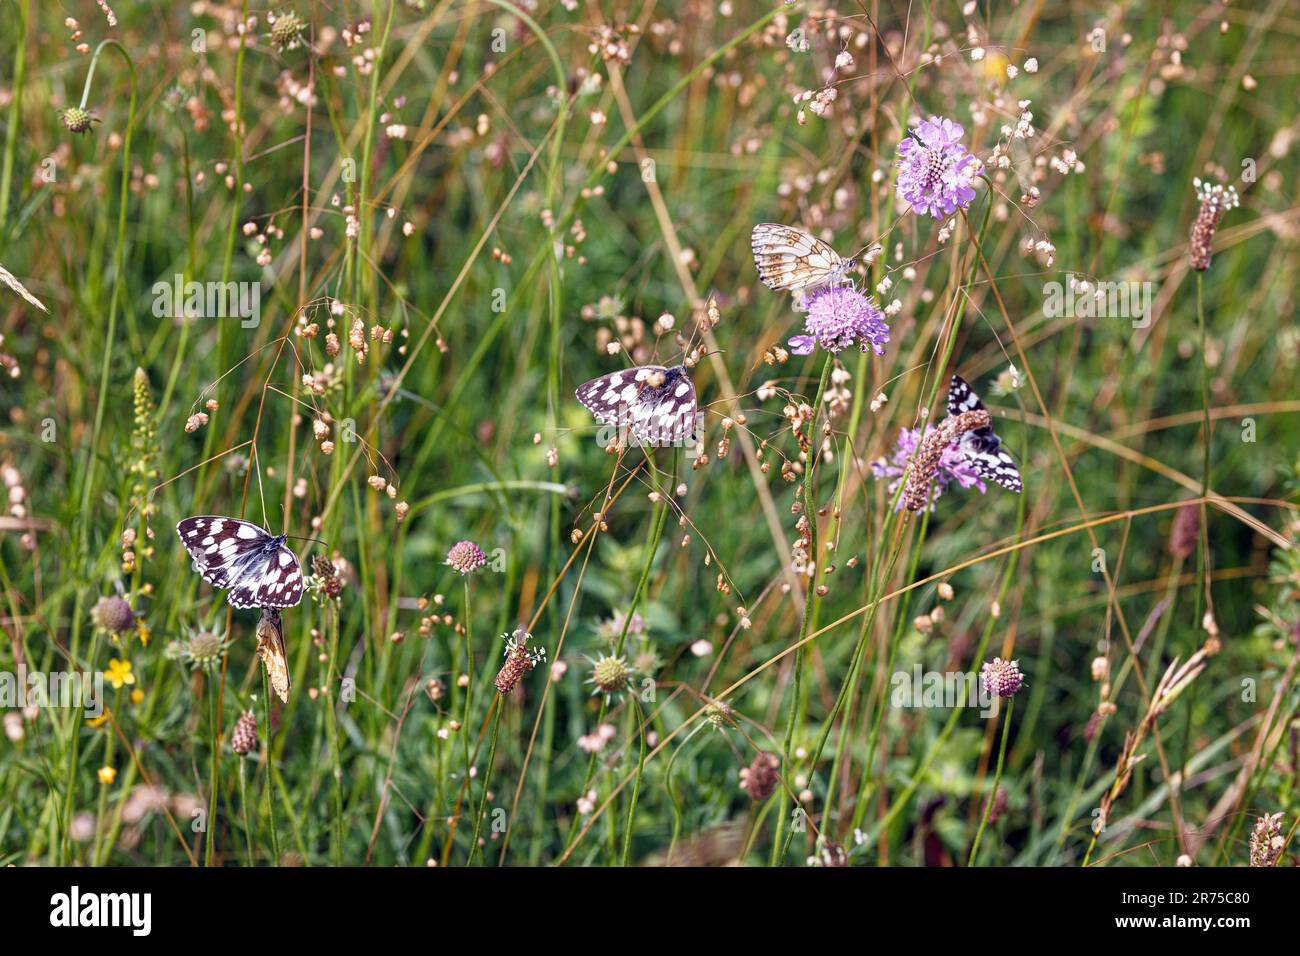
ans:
(119, 673)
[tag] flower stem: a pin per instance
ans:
(498, 705)
(469, 693)
(997, 778)
(636, 786)
(243, 802)
(659, 517)
(214, 748)
(811, 603)
(267, 757)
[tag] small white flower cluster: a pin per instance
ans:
(1068, 162)
(1043, 248)
(818, 102)
(1224, 197)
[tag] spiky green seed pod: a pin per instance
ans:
(77, 120)
(287, 31)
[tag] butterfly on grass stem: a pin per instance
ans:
(655, 404)
(256, 566)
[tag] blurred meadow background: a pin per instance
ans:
(440, 219)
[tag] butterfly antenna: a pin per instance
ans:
(298, 537)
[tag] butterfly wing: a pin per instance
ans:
(231, 553)
(273, 580)
(981, 448)
(220, 546)
(790, 259)
(270, 647)
(667, 413)
(961, 397)
(655, 403)
(984, 453)
(611, 398)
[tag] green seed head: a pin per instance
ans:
(287, 31)
(77, 120)
(611, 675)
(203, 650)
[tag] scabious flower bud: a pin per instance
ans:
(610, 675)
(113, 614)
(77, 120)
(466, 557)
(287, 31)
(203, 651)
(1002, 678)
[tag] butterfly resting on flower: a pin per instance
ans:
(790, 259)
(962, 447)
(980, 448)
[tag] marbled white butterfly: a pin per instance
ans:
(256, 566)
(790, 259)
(656, 404)
(981, 448)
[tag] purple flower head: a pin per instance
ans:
(952, 466)
(1002, 678)
(936, 173)
(839, 316)
(466, 557)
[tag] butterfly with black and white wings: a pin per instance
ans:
(980, 448)
(255, 566)
(789, 259)
(654, 403)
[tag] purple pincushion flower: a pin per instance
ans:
(466, 557)
(1002, 678)
(952, 466)
(936, 173)
(839, 316)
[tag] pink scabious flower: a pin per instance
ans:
(936, 172)
(1002, 678)
(466, 557)
(839, 316)
(952, 465)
